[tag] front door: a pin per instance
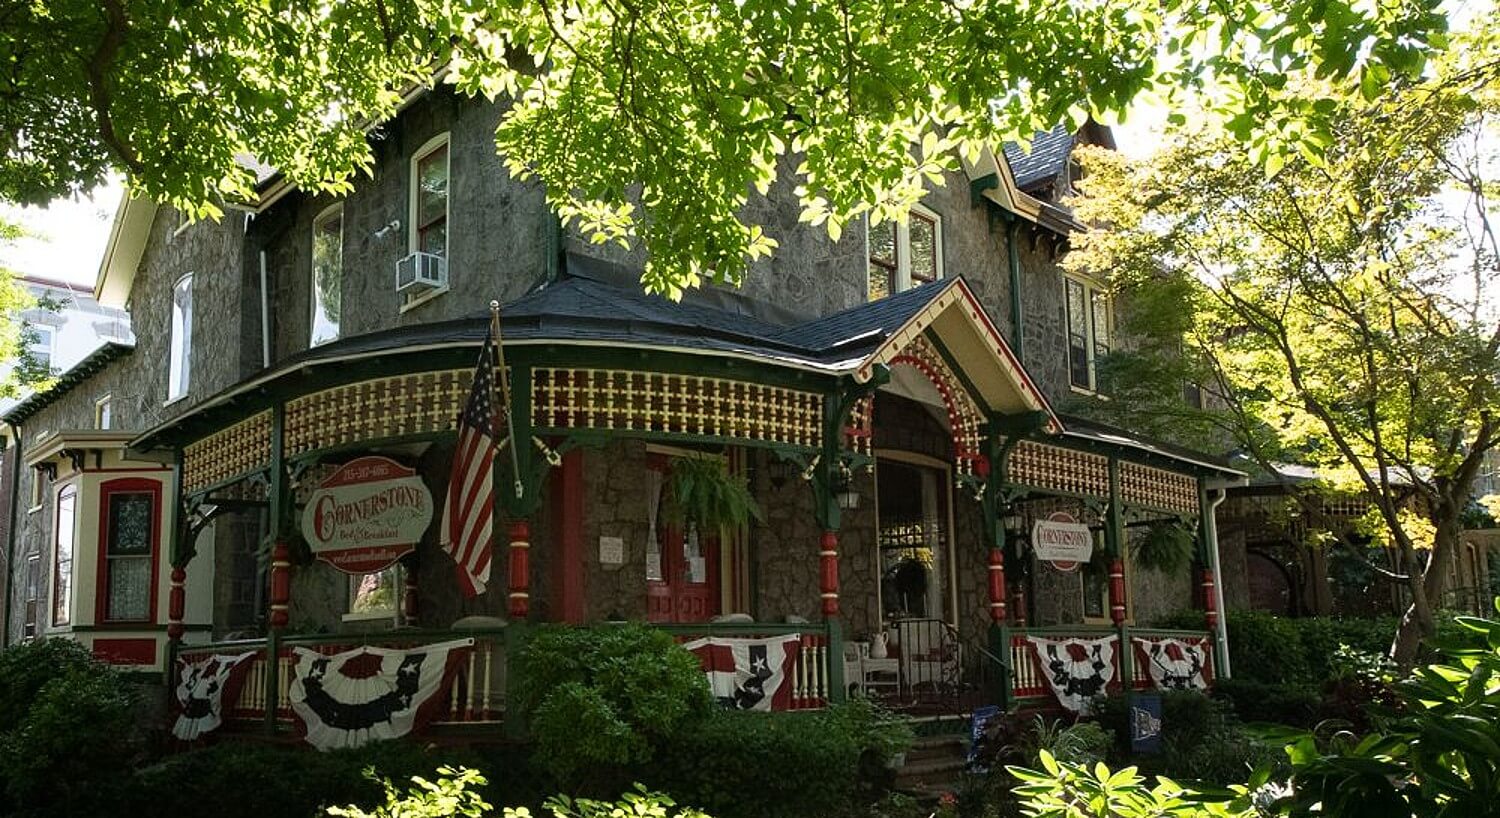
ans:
(682, 566)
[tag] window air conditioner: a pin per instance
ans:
(420, 271)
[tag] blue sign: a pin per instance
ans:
(1145, 723)
(978, 725)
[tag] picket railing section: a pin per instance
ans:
(1028, 681)
(475, 697)
(813, 682)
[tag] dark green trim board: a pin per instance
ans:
(977, 187)
(10, 534)
(1013, 257)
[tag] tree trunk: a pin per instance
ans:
(1426, 587)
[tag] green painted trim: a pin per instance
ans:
(1000, 687)
(977, 187)
(560, 356)
(126, 627)
(10, 534)
(273, 680)
(1127, 665)
(517, 634)
(739, 628)
(1013, 262)
(1114, 523)
(416, 437)
(957, 370)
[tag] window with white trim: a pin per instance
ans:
(1090, 325)
(327, 274)
(33, 604)
(429, 198)
(63, 540)
(180, 350)
(905, 254)
(38, 488)
(103, 412)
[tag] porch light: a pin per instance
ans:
(848, 498)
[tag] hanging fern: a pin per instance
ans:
(1166, 548)
(704, 493)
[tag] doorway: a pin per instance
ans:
(682, 563)
(914, 543)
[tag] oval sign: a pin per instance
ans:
(1062, 541)
(367, 515)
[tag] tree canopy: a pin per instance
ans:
(1337, 310)
(652, 121)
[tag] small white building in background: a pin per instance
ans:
(67, 334)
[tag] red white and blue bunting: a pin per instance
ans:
(204, 689)
(1077, 670)
(1174, 664)
(370, 694)
(749, 674)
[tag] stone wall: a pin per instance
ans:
(616, 504)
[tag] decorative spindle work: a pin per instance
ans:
(859, 434)
(1055, 468)
(227, 454)
(380, 408)
(630, 401)
(1158, 488)
(965, 420)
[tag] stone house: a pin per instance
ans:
(889, 398)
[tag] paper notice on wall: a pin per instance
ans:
(611, 551)
(697, 569)
(653, 565)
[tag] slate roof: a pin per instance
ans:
(1046, 160)
(76, 374)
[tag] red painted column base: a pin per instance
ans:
(1117, 591)
(281, 585)
(997, 586)
(828, 572)
(177, 606)
(520, 569)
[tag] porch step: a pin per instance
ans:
(932, 766)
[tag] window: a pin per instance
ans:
(33, 595)
(903, 256)
(1088, 332)
(327, 274)
(429, 198)
(180, 354)
(42, 344)
(39, 481)
(128, 510)
(375, 595)
(103, 412)
(62, 556)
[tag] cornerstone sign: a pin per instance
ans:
(1063, 541)
(367, 515)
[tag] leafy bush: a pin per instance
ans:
(1201, 738)
(623, 690)
(1279, 650)
(1253, 701)
(68, 735)
(737, 764)
(256, 780)
(1084, 742)
(446, 795)
(1066, 789)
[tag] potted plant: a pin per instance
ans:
(1166, 547)
(704, 495)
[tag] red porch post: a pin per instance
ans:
(997, 586)
(177, 606)
(281, 585)
(828, 575)
(1117, 591)
(520, 569)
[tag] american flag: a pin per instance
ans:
(469, 516)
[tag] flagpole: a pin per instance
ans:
(504, 378)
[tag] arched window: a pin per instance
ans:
(63, 540)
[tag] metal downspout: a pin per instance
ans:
(1211, 533)
(10, 536)
(1018, 344)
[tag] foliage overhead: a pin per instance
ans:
(652, 121)
(1339, 316)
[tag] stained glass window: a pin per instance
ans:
(128, 556)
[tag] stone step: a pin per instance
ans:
(929, 769)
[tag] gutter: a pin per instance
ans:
(1211, 534)
(10, 537)
(1012, 232)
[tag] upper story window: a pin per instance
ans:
(129, 513)
(103, 411)
(327, 274)
(62, 555)
(1090, 326)
(38, 488)
(905, 255)
(429, 198)
(43, 345)
(180, 354)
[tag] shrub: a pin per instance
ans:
(446, 795)
(737, 764)
(1272, 649)
(67, 731)
(1065, 789)
(1254, 701)
(623, 688)
(1201, 738)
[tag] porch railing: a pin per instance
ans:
(817, 670)
(476, 697)
(1028, 682)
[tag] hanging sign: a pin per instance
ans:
(1063, 541)
(367, 515)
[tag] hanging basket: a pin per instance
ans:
(1166, 548)
(703, 493)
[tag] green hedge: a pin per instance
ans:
(1278, 650)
